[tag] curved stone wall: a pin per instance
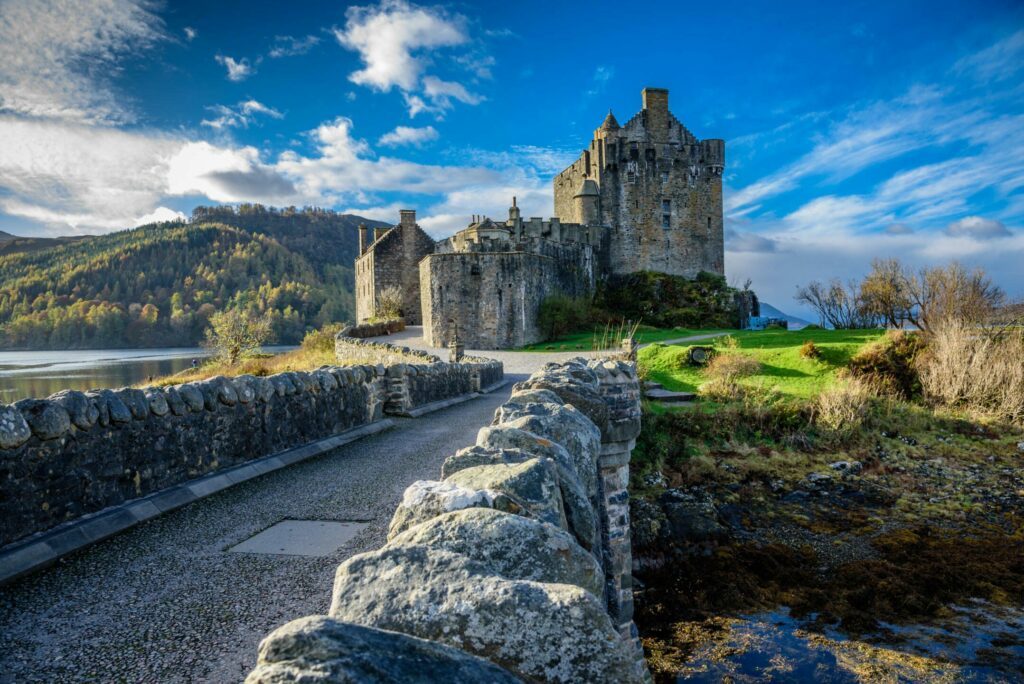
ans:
(518, 558)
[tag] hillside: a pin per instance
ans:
(156, 285)
(15, 244)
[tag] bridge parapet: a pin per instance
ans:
(518, 556)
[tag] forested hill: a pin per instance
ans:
(157, 285)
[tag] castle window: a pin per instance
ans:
(474, 269)
(709, 225)
(650, 152)
(666, 206)
(666, 220)
(634, 150)
(630, 177)
(664, 176)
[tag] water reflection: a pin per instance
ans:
(39, 374)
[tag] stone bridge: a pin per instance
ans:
(188, 595)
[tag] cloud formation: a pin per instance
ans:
(55, 56)
(395, 40)
(239, 116)
(977, 228)
(238, 70)
(287, 46)
(407, 135)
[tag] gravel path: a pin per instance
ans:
(164, 602)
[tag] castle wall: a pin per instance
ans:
(494, 297)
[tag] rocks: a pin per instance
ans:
(511, 546)
(48, 419)
(136, 402)
(192, 396)
(14, 429)
(117, 410)
(565, 426)
(425, 499)
(532, 484)
(538, 631)
(157, 402)
(1020, 447)
(81, 409)
(692, 517)
(320, 650)
(846, 467)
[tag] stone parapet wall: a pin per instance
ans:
(375, 329)
(80, 452)
(512, 565)
(412, 386)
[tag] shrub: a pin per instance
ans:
(890, 364)
(732, 367)
(963, 367)
(727, 342)
(233, 334)
(809, 350)
(842, 408)
(389, 303)
(560, 315)
(322, 339)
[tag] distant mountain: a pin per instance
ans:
(14, 244)
(156, 285)
(794, 322)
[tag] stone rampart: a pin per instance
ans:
(514, 566)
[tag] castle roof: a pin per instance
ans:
(610, 124)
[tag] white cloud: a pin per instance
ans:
(190, 33)
(977, 228)
(741, 241)
(239, 116)
(599, 81)
(407, 135)
(287, 46)
(395, 40)
(898, 229)
(56, 57)
(996, 63)
(238, 70)
(160, 215)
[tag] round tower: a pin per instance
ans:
(588, 203)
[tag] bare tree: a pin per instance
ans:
(884, 292)
(389, 303)
(839, 306)
(951, 292)
(233, 334)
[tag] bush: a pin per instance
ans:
(842, 408)
(389, 303)
(963, 367)
(667, 301)
(322, 339)
(233, 334)
(890, 364)
(560, 315)
(809, 350)
(732, 367)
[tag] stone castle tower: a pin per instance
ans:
(656, 186)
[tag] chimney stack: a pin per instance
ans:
(362, 238)
(407, 218)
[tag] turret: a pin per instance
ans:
(588, 202)
(713, 152)
(515, 221)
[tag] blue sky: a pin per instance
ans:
(853, 130)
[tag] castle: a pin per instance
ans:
(646, 196)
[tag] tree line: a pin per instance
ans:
(158, 285)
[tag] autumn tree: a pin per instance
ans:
(233, 334)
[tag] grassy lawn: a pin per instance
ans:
(779, 354)
(584, 341)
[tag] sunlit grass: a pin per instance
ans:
(584, 341)
(778, 351)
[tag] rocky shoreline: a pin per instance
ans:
(864, 550)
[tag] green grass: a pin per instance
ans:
(584, 341)
(779, 354)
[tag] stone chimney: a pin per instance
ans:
(362, 238)
(656, 114)
(378, 231)
(407, 218)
